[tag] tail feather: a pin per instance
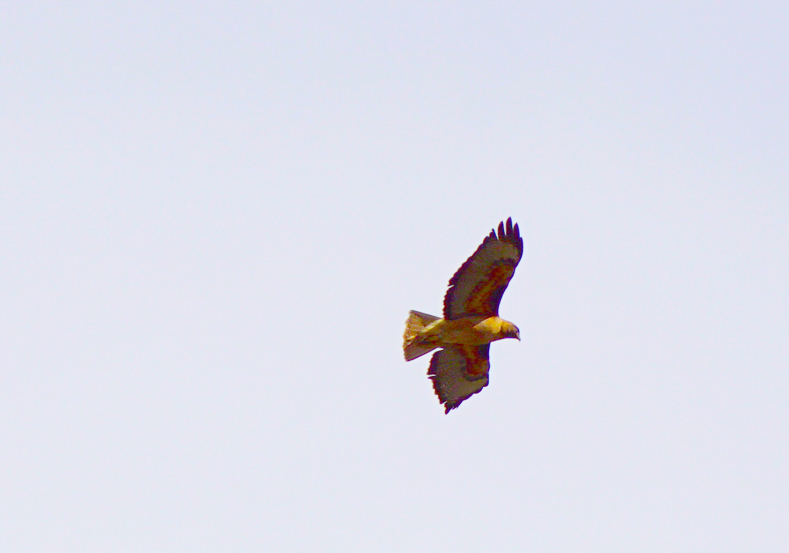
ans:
(414, 325)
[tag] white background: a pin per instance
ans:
(214, 218)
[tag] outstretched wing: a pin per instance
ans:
(458, 372)
(478, 285)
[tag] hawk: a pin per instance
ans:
(471, 319)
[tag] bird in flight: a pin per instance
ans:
(471, 319)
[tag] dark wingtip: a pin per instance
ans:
(508, 229)
(512, 232)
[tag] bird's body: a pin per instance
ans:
(471, 330)
(471, 320)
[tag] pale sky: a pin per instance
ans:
(214, 218)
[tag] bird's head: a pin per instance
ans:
(509, 330)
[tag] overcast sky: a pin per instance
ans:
(214, 218)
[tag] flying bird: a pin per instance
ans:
(471, 319)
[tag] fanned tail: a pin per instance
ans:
(414, 325)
